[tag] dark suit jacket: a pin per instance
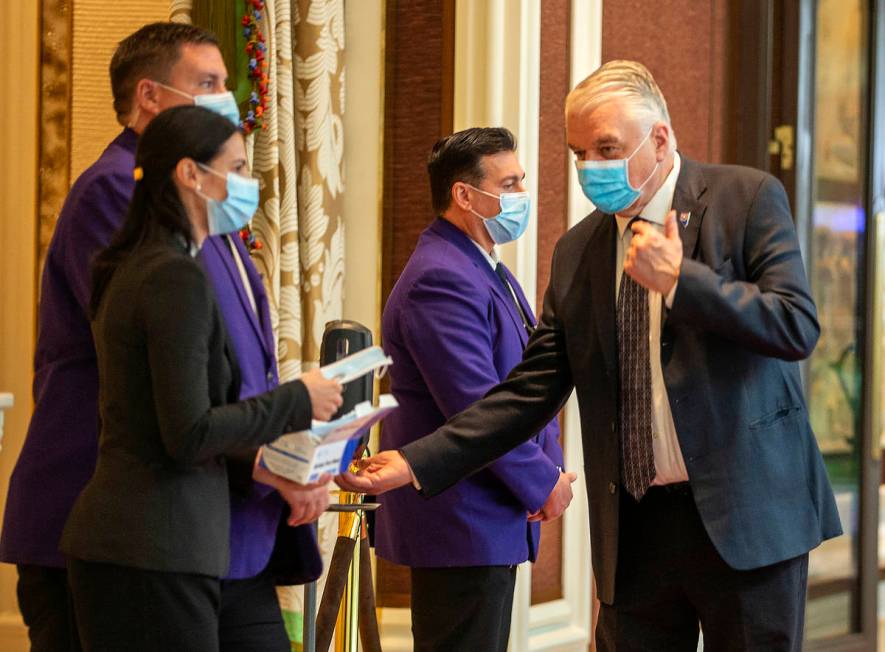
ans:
(159, 497)
(741, 318)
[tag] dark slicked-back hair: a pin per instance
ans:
(150, 53)
(459, 158)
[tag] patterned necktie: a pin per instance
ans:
(637, 455)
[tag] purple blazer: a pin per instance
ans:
(454, 332)
(256, 516)
(61, 447)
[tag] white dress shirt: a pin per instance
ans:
(491, 258)
(669, 464)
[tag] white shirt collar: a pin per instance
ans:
(491, 258)
(661, 202)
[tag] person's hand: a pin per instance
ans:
(305, 506)
(558, 499)
(376, 474)
(306, 501)
(325, 394)
(654, 258)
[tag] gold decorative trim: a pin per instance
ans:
(180, 11)
(55, 121)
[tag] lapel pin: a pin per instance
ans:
(684, 218)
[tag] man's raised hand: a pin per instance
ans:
(654, 258)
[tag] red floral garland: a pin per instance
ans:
(252, 243)
(256, 51)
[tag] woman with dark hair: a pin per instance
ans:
(148, 538)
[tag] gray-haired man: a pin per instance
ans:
(678, 311)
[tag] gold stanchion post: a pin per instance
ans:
(350, 524)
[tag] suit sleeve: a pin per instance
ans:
(448, 337)
(510, 414)
(549, 439)
(178, 312)
(772, 312)
(93, 218)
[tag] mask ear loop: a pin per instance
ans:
(641, 143)
(209, 170)
(199, 188)
(655, 169)
(174, 90)
(380, 372)
(498, 197)
(647, 179)
(490, 194)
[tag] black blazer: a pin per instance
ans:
(741, 318)
(159, 498)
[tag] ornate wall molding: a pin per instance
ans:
(55, 118)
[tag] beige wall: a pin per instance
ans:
(363, 132)
(19, 27)
(98, 26)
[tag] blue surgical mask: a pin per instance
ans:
(232, 213)
(607, 183)
(224, 104)
(512, 221)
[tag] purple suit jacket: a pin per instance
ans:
(454, 333)
(254, 516)
(61, 447)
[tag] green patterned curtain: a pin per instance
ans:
(298, 159)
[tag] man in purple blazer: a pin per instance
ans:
(455, 324)
(159, 66)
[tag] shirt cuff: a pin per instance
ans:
(414, 480)
(668, 300)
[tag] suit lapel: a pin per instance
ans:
(261, 301)
(689, 207)
(462, 241)
(514, 313)
(520, 296)
(222, 248)
(598, 269)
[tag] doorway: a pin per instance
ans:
(822, 131)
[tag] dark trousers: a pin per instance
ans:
(462, 609)
(122, 608)
(45, 603)
(250, 619)
(670, 580)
